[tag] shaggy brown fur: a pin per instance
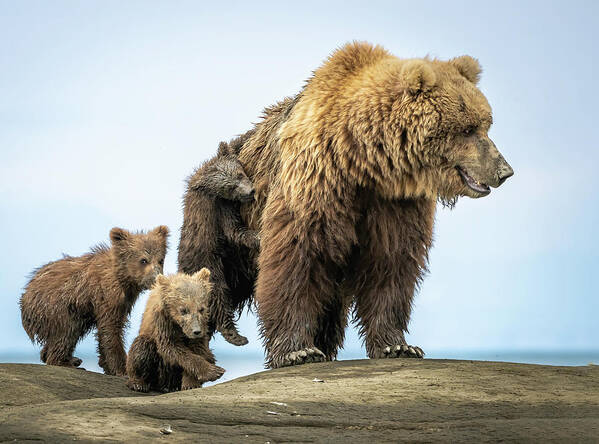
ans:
(65, 299)
(171, 352)
(214, 236)
(347, 176)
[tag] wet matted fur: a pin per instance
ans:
(65, 299)
(347, 177)
(171, 351)
(214, 236)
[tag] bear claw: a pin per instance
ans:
(401, 351)
(305, 356)
(138, 386)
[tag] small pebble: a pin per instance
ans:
(166, 429)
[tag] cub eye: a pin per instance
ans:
(201, 310)
(144, 261)
(184, 311)
(161, 261)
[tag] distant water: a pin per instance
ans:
(248, 362)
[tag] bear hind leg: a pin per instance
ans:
(142, 364)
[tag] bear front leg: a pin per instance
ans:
(236, 233)
(189, 382)
(111, 349)
(298, 266)
(191, 363)
(395, 238)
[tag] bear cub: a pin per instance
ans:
(214, 236)
(171, 352)
(66, 298)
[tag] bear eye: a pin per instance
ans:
(184, 311)
(469, 130)
(144, 261)
(201, 310)
(161, 261)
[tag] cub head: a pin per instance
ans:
(223, 177)
(186, 301)
(439, 129)
(139, 257)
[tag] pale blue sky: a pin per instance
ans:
(106, 106)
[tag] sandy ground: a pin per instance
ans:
(359, 401)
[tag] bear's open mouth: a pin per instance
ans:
(473, 184)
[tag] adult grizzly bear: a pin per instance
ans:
(347, 176)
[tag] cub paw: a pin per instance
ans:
(305, 356)
(75, 361)
(400, 351)
(214, 373)
(233, 337)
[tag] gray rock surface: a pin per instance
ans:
(359, 401)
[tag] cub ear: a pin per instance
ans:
(203, 274)
(161, 230)
(223, 149)
(162, 281)
(418, 75)
(119, 235)
(468, 67)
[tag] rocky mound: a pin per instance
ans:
(347, 401)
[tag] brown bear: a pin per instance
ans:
(213, 235)
(347, 177)
(65, 299)
(171, 352)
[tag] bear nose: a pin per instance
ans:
(197, 332)
(252, 192)
(505, 172)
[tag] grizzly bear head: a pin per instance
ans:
(139, 257)
(446, 120)
(223, 177)
(185, 301)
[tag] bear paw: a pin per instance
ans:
(75, 361)
(213, 373)
(138, 386)
(400, 351)
(304, 356)
(233, 337)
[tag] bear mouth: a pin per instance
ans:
(481, 188)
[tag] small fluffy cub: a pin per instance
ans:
(65, 299)
(214, 236)
(171, 352)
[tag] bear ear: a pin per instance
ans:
(468, 67)
(202, 275)
(161, 231)
(119, 235)
(418, 75)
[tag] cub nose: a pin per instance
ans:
(197, 332)
(505, 172)
(252, 192)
